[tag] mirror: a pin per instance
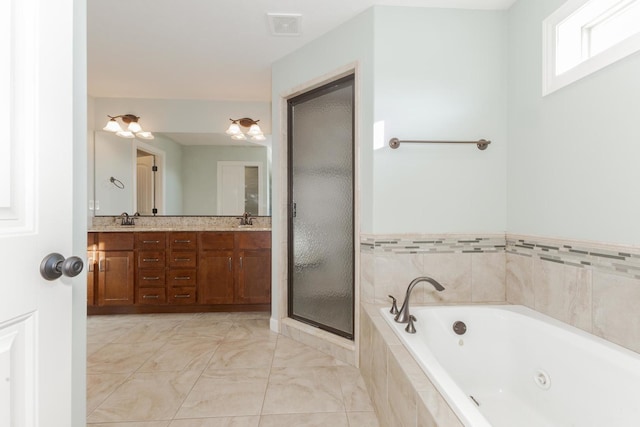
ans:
(179, 174)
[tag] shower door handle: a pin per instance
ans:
(294, 210)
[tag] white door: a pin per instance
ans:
(36, 214)
(234, 192)
(144, 184)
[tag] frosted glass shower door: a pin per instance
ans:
(321, 252)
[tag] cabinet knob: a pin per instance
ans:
(55, 265)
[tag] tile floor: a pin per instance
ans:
(214, 370)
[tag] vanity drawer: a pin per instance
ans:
(182, 241)
(216, 240)
(151, 241)
(181, 277)
(182, 295)
(149, 259)
(152, 296)
(182, 259)
(151, 277)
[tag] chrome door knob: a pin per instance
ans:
(55, 265)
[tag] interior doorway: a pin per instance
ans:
(321, 255)
(149, 179)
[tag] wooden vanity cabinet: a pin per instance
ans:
(253, 272)
(147, 272)
(216, 268)
(115, 274)
(150, 268)
(182, 260)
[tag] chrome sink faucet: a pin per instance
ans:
(246, 219)
(126, 219)
(403, 315)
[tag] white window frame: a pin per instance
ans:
(551, 81)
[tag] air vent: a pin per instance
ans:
(284, 24)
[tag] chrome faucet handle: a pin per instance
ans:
(394, 305)
(410, 327)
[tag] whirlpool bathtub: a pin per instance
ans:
(516, 367)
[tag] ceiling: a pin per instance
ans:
(209, 49)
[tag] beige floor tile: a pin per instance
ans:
(328, 419)
(149, 331)
(146, 397)
(217, 422)
(250, 328)
(100, 386)
(303, 390)
(363, 419)
(246, 353)
(182, 354)
(120, 358)
(208, 327)
(354, 391)
(226, 392)
(133, 424)
(290, 353)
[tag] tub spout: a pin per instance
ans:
(403, 315)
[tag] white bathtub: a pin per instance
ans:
(523, 368)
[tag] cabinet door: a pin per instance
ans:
(215, 277)
(115, 278)
(253, 285)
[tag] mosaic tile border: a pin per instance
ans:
(420, 244)
(621, 260)
(608, 258)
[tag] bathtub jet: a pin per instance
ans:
(404, 315)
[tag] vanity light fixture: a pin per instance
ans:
(132, 130)
(253, 130)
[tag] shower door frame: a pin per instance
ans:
(310, 93)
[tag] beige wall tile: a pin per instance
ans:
(488, 272)
(519, 280)
(453, 271)
(367, 277)
(563, 292)
(615, 309)
(394, 272)
(402, 399)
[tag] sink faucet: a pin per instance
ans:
(126, 219)
(403, 315)
(246, 219)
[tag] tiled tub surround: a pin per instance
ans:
(593, 286)
(178, 223)
(399, 389)
(470, 267)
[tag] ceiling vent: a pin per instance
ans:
(284, 24)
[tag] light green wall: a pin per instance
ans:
(572, 155)
(200, 174)
(440, 74)
(172, 174)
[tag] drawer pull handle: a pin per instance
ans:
(240, 262)
(151, 278)
(182, 296)
(182, 241)
(150, 296)
(150, 259)
(229, 263)
(182, 259)
(150, 241)
(182, 277)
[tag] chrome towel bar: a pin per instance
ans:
(481, 144)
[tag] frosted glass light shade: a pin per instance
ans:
(234, 129)
(112, 126)
(254, 130)
(239, 137)
(135, 127)
(259, 137)
(145, 135)
(125, 134)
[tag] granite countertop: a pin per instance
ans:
(136, 228)
(177, 223)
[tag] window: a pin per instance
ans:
(584, 36)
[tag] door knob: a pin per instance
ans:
(55, 265)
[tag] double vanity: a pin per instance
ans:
(178, 264)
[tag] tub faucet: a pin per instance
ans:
(403, 315)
